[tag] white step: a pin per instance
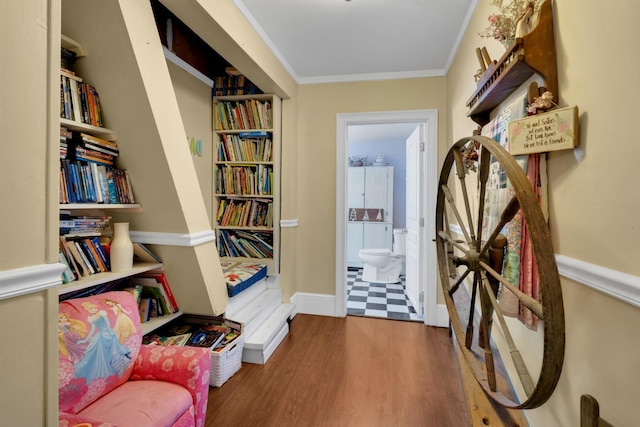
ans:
(253, 314)
(239, 302)
(259, 346)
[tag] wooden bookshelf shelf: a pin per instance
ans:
(100, 206)
(532, 54)
(156, 322)
(100, 132)
(100, 278)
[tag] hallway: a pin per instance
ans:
(347, 372)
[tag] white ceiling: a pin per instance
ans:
(347, 40)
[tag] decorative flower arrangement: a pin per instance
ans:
(542, 103)
(502, 25)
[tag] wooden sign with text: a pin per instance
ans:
(550, 131)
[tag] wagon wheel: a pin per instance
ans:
(468, 270)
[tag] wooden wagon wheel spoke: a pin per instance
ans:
(456, 285)
(454, 208)
(483, 177)
(446, 237)
(525, 299)
(461, 172)
(468, 337)
(518, 361)
(495, 357)
(486, 337)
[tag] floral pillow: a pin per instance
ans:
(99, 339)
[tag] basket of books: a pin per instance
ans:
(222, 336)
(226, 361)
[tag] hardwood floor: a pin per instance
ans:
(347, 372)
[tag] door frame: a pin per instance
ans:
(429, 280)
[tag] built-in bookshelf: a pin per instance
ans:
(91, 188)
(246, 179)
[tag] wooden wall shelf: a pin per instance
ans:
(532, 54)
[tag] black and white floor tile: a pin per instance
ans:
(388, 301)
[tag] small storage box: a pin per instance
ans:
(226, 362)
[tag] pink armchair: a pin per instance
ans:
(109, 379)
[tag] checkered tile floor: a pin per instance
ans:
(378, 299)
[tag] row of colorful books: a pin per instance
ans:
(245, 147)
(245, 213)
(83, 182)
(233, 85)
(249, 244)
(243, 115)
(83, 256)
(153, 295)
(86, 253)
(79, 101)
(244, 180)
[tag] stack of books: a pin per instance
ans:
(87, 171)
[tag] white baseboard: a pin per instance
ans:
(320, 304)
(324, 305)
(442, 316)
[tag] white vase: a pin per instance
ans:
(121, 248)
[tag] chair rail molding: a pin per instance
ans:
(173, 239)
(622, 286)
(22, 281)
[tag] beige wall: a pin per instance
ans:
(194, 101)
(593, 204)
(318, 108)
(28, 395)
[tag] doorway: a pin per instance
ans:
(425, 261)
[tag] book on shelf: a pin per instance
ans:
(67, 275)
(252, 180)
(157, 285)
(144, 254)
(249, 114)
(250, 244)
(244, 213)
(245, 147)
(85, 183)
(161, 278)
(79, 101)
(135, 291)
(234, 83)
(83, 225)
(144, 307)
(85, 255)
(152, 290)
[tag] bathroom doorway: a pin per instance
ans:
(385, 134)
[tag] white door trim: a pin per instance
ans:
(429, 119)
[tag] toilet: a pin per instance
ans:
(382, 265)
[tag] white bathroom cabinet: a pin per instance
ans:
(370, 190)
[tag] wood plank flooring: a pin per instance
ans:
(347, 372)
